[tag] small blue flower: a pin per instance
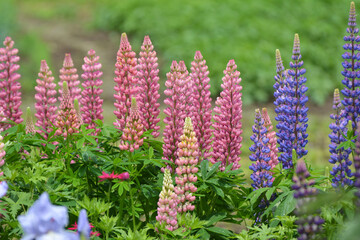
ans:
(83, 224)
(3, 188)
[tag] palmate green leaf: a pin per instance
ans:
(220, 231)
(213, 169)
(216, 218)
(254, 196)
(275, 202)
(287, 206)
(204, 165)
(270, 192)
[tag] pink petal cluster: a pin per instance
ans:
(126, 80)
(121, 176)
(228, 115)
(91, 103)
(188, 152)
(2, 119)
(148, 81)
(271, 135)
(2, 155)
(166, 211)
(201, 114)
(131, 137)
(29, 127)
(10, 95)
(177, 107)
(188, 90)
(66, 120)
(45, 100)
(68, 75)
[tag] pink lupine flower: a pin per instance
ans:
(45, 100)
(30, 127)
(2, 119)
(187, 89)
(68, 75)
(91, 103)
(66, 120)
(186, 162)
(166, 211)
(121, 176)
(2, 155)
(148, 81)
(228, 115)
(77, 110)
(131, 138)
(10, 95)
(201, 114)
(176, 84)
(271, 135)
(126, 80)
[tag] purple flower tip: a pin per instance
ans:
(83, 224)
(3, 188)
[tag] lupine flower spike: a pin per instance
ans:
(166, 211)
(261, 175)
(271, 135)
(68, 75)
(10, 95)
(126, 80)
(66, 121)
(188, 152)
(2, 119)
(187, 89)
(30, 127)
(201, 114)
(228, 115)
(308, 225)
(77, 110)
(91, 102)
(351, 80)
(45, 100)
(131, 137)
(339, 157)
(175, 111)
(357, 165)
(148, 81)
(2, 155)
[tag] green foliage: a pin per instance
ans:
(247, 31)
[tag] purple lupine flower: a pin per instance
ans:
(43, 217)
(68, 75)
(175, 111)
(340, 157)
(131, 137)
(188, 152)
(10, 95)
(148, 81)
(66, 120)
(126, 80)
(2, 155)
(295, 120)
(166, 211)
(201, 114)
(271, 135)
(308, 225)
(91, 102)
(83, 227)
(45, 100)
(351, 74)
(30, 127)
(228, 115)
(357, 164)
(261, 175)
(3, 188)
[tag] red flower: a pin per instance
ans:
(75, 226)
(122, 176)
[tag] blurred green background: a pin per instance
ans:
(244, 30)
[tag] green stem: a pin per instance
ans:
(132, 207)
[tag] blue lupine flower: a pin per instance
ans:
(351, 66)
(357, 164)
(262, 176)
(45, 221)
(340, 157)
(292, 122)
(3, 188)
(83, 224)
(308, 224)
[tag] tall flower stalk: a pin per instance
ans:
(186, 168)
(201, 114)
(30, 127)
(148, 81)
(10, 95)
(227, 120)
(339, 156)
(91, 102)
(271, 135)
(68, 75)
(351, 81)
(126, 80)
(357, 165)
(45, 100)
